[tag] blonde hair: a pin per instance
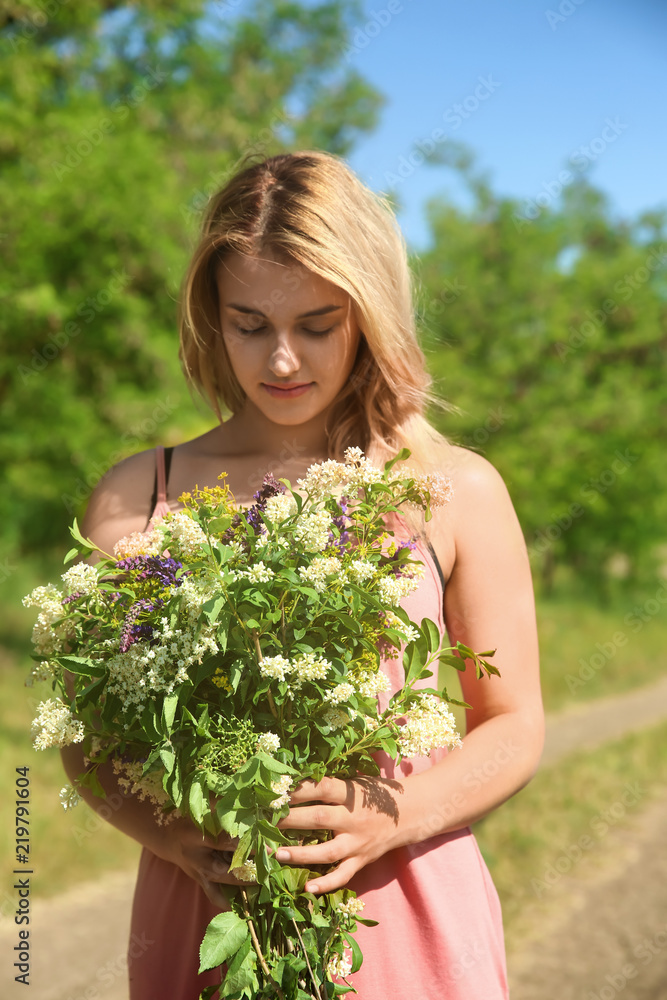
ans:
(308, 208)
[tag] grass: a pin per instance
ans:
(538, 833)
(588, 652)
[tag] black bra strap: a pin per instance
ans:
(437, 564)
(168, 452)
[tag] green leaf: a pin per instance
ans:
(87, 543)
(295, 878)
(431, 633)
(357, 957)
(213, 607)
(413, 663)
(403, 454)
(225, 934)
(168, 758)
(241, 853)
(72, 554)
(196, 802)
(169, 707)
(453, 661)
(241, 970)
(90, 780)
(79, 664)
(218, 525)
(90, 692)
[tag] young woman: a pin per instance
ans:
(297, 321)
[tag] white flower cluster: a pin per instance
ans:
(279, 507)
(281, 788)
(193, 594)
(80, 579)
(259, 573)
(373, 682)
(428, 725)
(147, 787)
(159, 667)
(312, 531)
(323, 479)
(342, 692)
(305, 667)
(330, 477)
(69, 797)
(274, 666)
(434, 488)
(352, 908)
(55, 726)
(139, 543)
(391, 589)
(46, 638)
(42, 671)
(246, 872)
(339, 965)
(360, 472)
(320, 569)
(309, 667)
(268, 743)
(361, 570)
(409, 632)
(187, 538)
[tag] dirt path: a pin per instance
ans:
(607, 913)
(602, 932)
(78, 944)
(590, 724)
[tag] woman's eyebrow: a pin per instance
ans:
(258, 312)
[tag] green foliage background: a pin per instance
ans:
(118, 120)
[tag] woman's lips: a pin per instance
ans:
(287, 393)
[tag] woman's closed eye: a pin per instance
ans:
(260, 329)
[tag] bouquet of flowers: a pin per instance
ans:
(225, 655)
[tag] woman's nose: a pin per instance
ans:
(284, 359)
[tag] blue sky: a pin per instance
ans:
(544, 86)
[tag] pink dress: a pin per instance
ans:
(440, 933)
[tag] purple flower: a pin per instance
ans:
(270, 488)
(153, 569)
(72, 597)
(132, 632)
(341, 540)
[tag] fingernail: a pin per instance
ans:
(282, 854)
(311, 887)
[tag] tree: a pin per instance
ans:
(548, 329)
(117, 123)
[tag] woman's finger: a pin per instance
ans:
(327, 853)
(317, 817)
(332, 790)
(334, 880)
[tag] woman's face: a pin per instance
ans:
(291, 336)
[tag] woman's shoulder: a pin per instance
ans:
(480, 508)
(468, 470)
(120, 502)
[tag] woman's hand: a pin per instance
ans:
(202, 857)
(363, 815)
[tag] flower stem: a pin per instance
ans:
(305, 955)
(255, 941)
